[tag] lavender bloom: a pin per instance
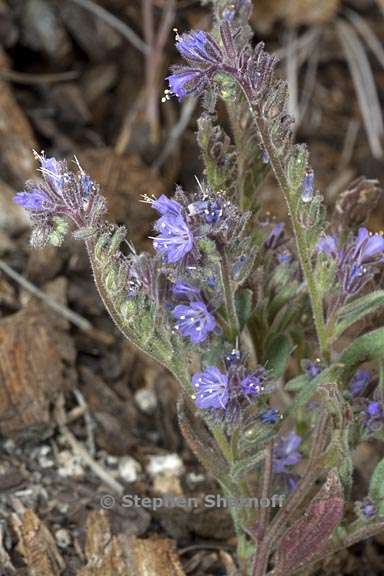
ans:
(286, 453)
(328, 245)
(185, 290)
(185, 81)
(359, 382)
(211, 388)
(275, 239)
(194, 321)
(167, 207)
(373, 416)
(252, 385)
(175, 239)
(199, 47)
(357, 262)
(312, 369)
(35, 201)
(270, 416)
(368, 509)
(308, 186)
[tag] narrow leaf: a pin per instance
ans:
(376, 486)
(278, 353)
(357, 310)
(367, 347)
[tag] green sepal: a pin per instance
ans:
(59, 229)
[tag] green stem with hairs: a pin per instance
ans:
(302, 247)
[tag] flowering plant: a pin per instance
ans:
(246, 313)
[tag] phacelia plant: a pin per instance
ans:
(276, 400)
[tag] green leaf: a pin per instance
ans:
(306, 393)
(376, 486)
(277, 354)
(244, 465)
(357, 310)
(244, 306)
(297, 383)
(367, 347)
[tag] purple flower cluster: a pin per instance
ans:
(61, 192)
(357, 262)
(213, 388)
(203, 55)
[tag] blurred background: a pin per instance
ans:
(81, 412)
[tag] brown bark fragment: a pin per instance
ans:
(16, 137)
(37, 546)
(32, 349)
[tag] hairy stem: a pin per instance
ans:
(302, 247)
(229, 299)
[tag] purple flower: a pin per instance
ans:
(194, 321)
(276, 237)
(185, 290)
(253, 384)
(53, 171)
(312, 369)
(167, 207)
(286, 453)
(357, 261)
(199, 47)
(35, 201)
(373, 416)
(175, 239)
(359, 382)
(185, 81)
(211, 388)
(270, 416)
(368, 509)
(308, 186)
(328, 245)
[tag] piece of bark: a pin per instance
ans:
(103, 551)
(33, 352)
(154, 557)
(16, 137)
(37, 546)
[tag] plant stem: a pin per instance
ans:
(302, 247)
(229, 299)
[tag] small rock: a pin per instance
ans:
(129, 469)
(146, 400)
(166, 484)
(63, 538)
(193, 478)
(169, 464)
(70, 465)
